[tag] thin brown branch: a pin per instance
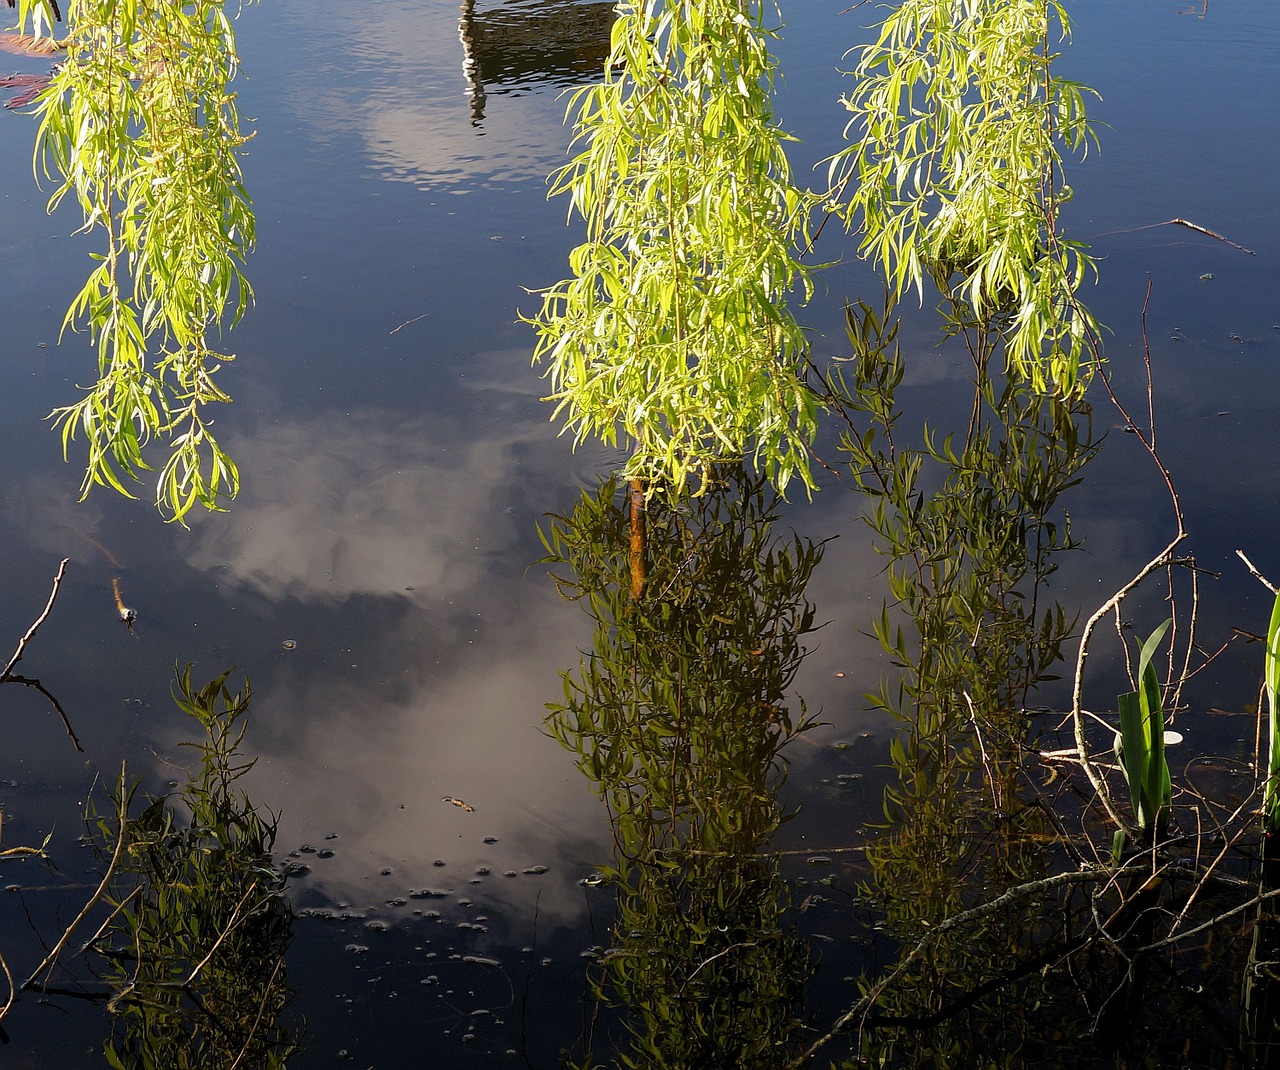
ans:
(1161, 560)
(1178, 221)
(122, 820)
(22, 643)
(13, 992)
(13, 678)
(862, 1008)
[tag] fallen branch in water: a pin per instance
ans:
(1178, 221)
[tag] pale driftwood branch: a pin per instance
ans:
(1178, 221)
(1256, 574)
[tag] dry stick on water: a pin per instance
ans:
(22, 643)
(1178, 221)
(13, 992)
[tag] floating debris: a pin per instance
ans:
(459, 804)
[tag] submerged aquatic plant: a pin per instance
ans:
(674, 331)
(139, 124)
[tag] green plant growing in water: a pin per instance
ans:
(1271, 792)
(956, 171)
(1140, 748)
(674, 330)
(139, 124)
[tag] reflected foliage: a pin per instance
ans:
(1017, 942)
(970, 525)
(194, 951)
(678, 715)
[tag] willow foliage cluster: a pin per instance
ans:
(140, 126)
(674, 329)
(954, 167)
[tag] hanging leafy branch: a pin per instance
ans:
(955, 170)
(674, 331)
(140, 126)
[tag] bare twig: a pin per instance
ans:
(262, 1005)
(122, 820)
(9, 676)
(13, 678)
(22, 643)
(863, 1007)
(1178, 221)
(407, 322)
(1161, 560)
(13, 992)
(1256, 574)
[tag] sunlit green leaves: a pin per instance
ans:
(954, 171)
(1140, 743)
(140, 126)
(674, 331)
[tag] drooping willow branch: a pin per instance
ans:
(140, 125)
(958, 129)
(674, 330)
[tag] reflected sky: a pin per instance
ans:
(393, 482)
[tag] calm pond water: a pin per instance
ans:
(377, 579)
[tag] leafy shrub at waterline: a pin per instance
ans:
(195, 947)
(674, 330)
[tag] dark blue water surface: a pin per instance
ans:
(373, 578)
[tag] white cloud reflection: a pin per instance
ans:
(403, 83)
(431, 652)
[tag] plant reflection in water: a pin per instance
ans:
(193, 951)
(678, 715)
